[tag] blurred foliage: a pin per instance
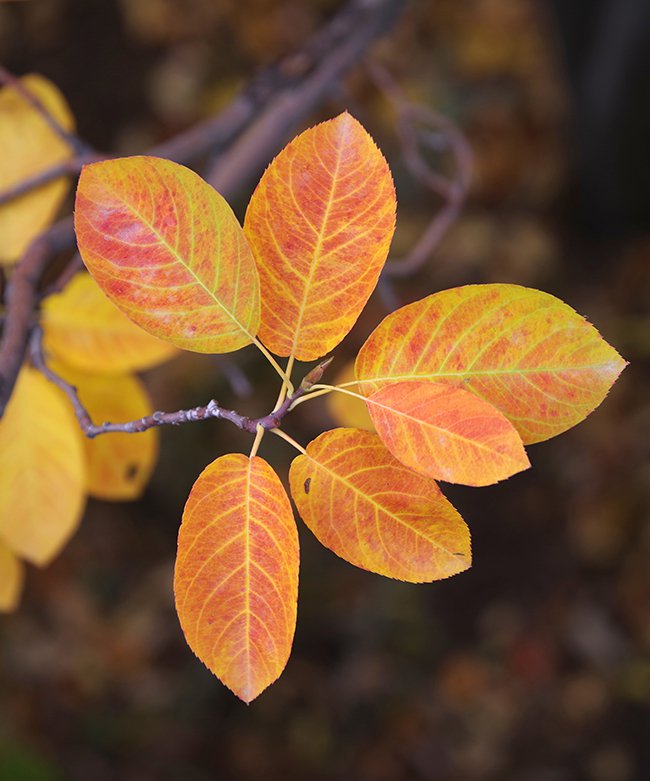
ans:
(534, 665)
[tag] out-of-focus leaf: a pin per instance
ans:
(166, 248)
(29, 146)
(374, 512)
(12, 575)
(42, 474)
(347, 410)
(320, 224)
(524, 351)
(236, 578)
(118, 466)
(86, 331)
(447, 433)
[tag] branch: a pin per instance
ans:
(452, 190)
(324, 59)
(210, 410)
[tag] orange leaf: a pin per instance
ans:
(168, 251)
(320, 224)
(29, 147)
(374, 512)
(348, 411)
(41, 470)
(89, 333)
(526, 352)
(447, 433)
(118, 466)
(12, 575)
(236, 579)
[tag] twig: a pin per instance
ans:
(210, 410)
(272, 89)
(68, 168)
(453, 191)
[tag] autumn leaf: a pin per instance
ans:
(320, 224)
(12, 575)
(118, 466)
(29, 147)
(348, 411)
(41, 470)
(236, 578)
(374, 512)
(447, 433)
(166, 248)
(526, 352)
(88, 332)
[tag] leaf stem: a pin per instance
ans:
(257, 441)
(286, 382)
(278, 432)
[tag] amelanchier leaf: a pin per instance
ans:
(86, 331)
(118, 466)
(166, 248)
(12, 575)
(320, 224)
(236, 578)
(29, 147)
(447, 433)
(42, 475)
(348, 411)
(526, 352)
(374, 512)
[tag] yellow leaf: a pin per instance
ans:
(118, 465)
(41, 470)
(12, 575)
(236, 577)
(86, 331)
(29, 146)
(320, 223)
(372, 511)
(347, 410)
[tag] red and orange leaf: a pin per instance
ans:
(166, 248)
(84, 330)
(118, 466)
(29, 147)
(236, 578)
(320, 225)
(524, 351)
(12, 576)
(42, 472)
(447, 433)
(372, 511)
(348, 411)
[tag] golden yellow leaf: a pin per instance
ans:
(29, 146)
(41, 470)
(86, 331)
(118, 465)
(348, 411)
(12, 575)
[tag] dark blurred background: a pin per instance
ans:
(534, 665)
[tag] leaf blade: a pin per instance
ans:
(318, 264)
(29, 147)
(255, 565)
(447, 433)
(166, 248)
(85, 330)
(42, 470)
(388, 519)
(524, 351)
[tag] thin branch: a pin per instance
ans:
(68, 168)
(211, 410)
(452, 190)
